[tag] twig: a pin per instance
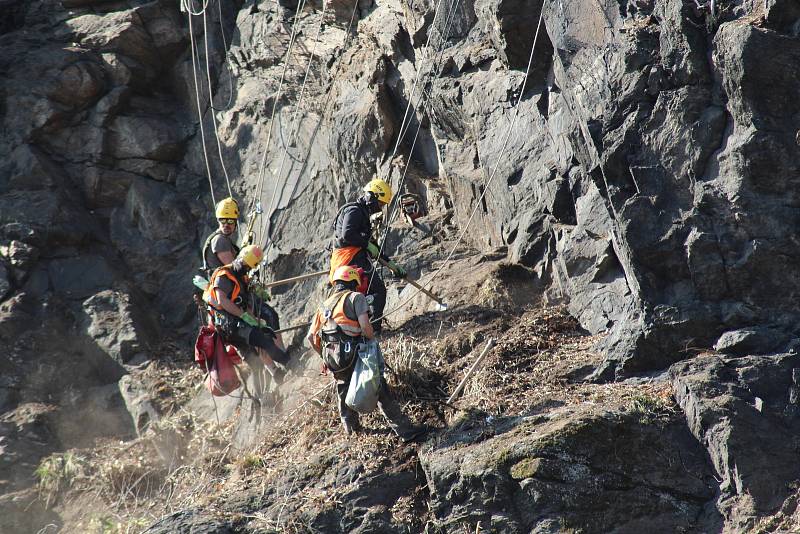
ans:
(472, 369)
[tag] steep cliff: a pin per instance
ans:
(637, 159)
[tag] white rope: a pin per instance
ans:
(186, 6)
(286, 59)
(326, 111)
(487, 183)
(295, 124)
(211, 105)
(227, 63)
(199, 110)
(392, 212)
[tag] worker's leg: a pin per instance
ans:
(340, 357)
(397, 420)
(269, 314)
(376, 288)
(349, 417)
(260, 339)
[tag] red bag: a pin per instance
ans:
(205, 346)
(222, 378)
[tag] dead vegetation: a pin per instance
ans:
(538, 364)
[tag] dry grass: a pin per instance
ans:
(183, 462)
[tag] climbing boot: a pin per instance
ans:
(415, 434)
(351, 426)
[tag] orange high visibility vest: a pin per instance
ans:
(341, 256)
(210, 294)
(330, 318)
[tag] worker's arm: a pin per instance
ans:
(313, 336)
(366, 326)
(228, 305)
(315, 343)
(226, 257)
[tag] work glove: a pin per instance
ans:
(398, 271)
(262, 293)
(252, 321)
(373, 250)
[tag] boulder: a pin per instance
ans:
(138, 402)
(120, 32)
(744, 412)
(116, 325)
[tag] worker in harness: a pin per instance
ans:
(340, 325)
(353, 245)
(220, 249)
(231, 309)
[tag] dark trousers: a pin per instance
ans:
(377, 288)
(388, 406)
(239, 333)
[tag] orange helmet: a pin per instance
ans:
(347, 273)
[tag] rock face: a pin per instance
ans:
(591, 471)
(744, 412)
(643, 167)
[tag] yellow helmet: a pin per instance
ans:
(251, 255)
(227, 208)
(346, 273)
(380, 189)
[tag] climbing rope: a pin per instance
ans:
(186, 4)
(279, 93)
(295, 124)
(392, 211)
(227, 63)
(327, 109)
(486, 183)
(211, 104)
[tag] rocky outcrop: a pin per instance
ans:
(744, 413)
(643, 168)
(589, 470)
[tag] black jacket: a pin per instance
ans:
(352, 227)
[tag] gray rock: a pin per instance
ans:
(78, 278)
(524, 475)
(751, 450)
(138, 403)
(190, 522)
(145, 137)
(746, 341)
(5, 282)
(113, 322)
